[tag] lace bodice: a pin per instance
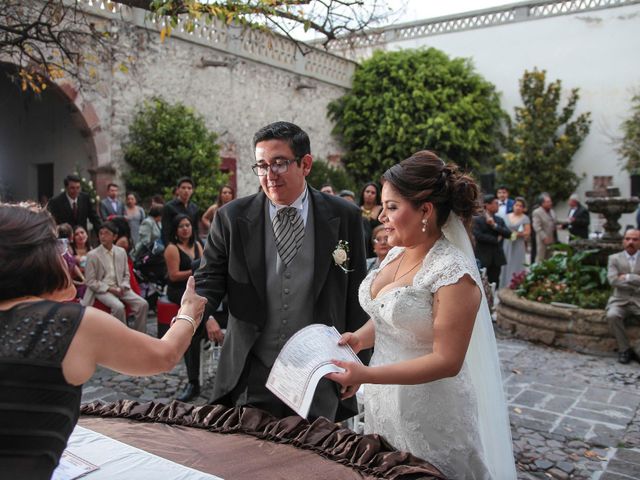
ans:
(436, 421)
(402, 315)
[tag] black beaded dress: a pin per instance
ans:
(38, 408)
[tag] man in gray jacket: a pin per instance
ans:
(624, 276)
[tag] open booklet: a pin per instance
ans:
(303, 361)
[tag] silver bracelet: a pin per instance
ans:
(186, 318)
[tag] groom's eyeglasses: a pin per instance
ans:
(279, 166)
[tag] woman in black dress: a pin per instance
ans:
(49, 348)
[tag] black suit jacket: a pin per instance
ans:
(488, 245)
(581, 220)
(61, 210)
(234, 264)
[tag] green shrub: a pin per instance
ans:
(542, 141)
(169, 141)
(339, 178)
(410, 100)
(566, 278)
(629, 144)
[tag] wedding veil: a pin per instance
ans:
(484, 368)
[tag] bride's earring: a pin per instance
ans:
(425, 223)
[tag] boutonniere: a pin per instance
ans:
(341, 255)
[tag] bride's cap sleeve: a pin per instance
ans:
(448, 266)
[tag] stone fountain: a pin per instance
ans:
(611, 206)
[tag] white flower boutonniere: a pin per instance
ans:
(341, 255)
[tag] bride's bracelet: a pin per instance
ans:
(186, 318)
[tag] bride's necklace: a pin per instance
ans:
(405, 273)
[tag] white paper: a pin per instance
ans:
(71, 466)
(303, 361)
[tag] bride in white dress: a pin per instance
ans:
(434, 387)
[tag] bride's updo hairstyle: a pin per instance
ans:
(423, 177)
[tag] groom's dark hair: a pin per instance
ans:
(297, 138)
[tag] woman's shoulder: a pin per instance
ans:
(445, 264)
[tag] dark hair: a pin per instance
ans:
(182, 180)
(370, 184)
(157, 198)
(64, 230)
(521, 200)
(502, 187)
(488, 198)
(233, 192)
(173, 234)
(135, 195)
(109, 225)
(71, 178)
(423, 177)
(374, 232)
(112, 185)
(73, 239)
(155, 211)
(297, 138)
(30, 262)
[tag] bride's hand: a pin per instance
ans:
(351, 379)
(351, 339)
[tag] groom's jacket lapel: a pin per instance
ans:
(251, 227)
(327, 227)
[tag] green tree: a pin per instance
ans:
(629, 144)
(169, 141)
(411, 100)
(542, 140)
(338, 177)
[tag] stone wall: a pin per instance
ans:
(237, 80)
(236, 99)
(577, 329)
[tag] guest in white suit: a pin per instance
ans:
(624, 276)
(107, 279)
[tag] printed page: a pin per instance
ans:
(303, 361)
(71, 466)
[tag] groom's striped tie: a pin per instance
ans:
(288, 229)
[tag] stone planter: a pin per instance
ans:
(578, 329)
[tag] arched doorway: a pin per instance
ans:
(42, 139)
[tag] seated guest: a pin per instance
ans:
(107, 278)
(381, 247)
(150, 231)
(65, 233)
(48, 349)
(80, 246)
(623, 273)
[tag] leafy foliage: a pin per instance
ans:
(629, 145)
(566, 278)
(328, 18)
(339, 178)
(410, 100)
(169, 141)
(542, 141)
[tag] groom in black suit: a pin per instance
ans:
(272, 254)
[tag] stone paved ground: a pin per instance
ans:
(573, 416)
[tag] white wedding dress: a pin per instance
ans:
(436, 421)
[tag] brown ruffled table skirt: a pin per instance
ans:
(247, 443)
